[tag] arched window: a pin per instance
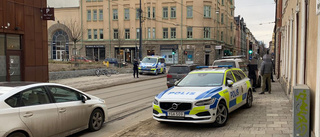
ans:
(60, 46)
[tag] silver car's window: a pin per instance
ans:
(61, 94)
(149, 60)
(179, 69)
(35, 96)
(202, 80)
(225, 63)
(13, 101)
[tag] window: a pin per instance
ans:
(100, 14)
(94, 15)
(165, 12)
(35, 96)
(149, 12)
(189, 32)
(13, 101)
(115, 34)
(137, 13)
(61, 94)
(189, 11)
(89, 34)
(88, 0)
(95, 34)
(241, 74)
(115, 14)
(101, 33)
(221, 17)
(154, 33)
(154, 12)
(207, 11)
(222, 36)
(173, 33)
(206, 32)
(229, 76)
(127, 33)
(237, 75)
(88, 15)
(231, 26)
(222, 2)
(149, 33)
(173, 12)
(165, 33)
(126, 14)
(138, 33)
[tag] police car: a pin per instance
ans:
(204, 96)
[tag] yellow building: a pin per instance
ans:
(193, 28)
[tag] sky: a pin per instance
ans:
(256, 12)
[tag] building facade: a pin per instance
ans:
(299, 52)
(23, 41)
(199, 31)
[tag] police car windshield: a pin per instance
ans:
(149, 60)
(225, 63)
(202, 80)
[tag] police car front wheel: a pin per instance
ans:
(221, 115)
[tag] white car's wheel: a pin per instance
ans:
(96, 120)
(17, 134)
(221, 115)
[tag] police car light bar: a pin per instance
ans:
(220, 66)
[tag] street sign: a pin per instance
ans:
(219, 47)
(47, 13)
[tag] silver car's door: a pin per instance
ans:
(38, 114)
(73, 114)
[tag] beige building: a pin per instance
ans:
(300, 53)
(111, 29)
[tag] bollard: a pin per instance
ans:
(301, 111)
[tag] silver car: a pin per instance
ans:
(47, 109)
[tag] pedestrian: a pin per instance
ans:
(135, 68)
(252, 68)
(266, 72)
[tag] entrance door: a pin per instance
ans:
(207, 60)
(13, 65)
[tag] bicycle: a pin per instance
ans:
(102, 72)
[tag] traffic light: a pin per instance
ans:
(173, 51)
(250, 51)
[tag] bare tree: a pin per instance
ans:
(120, 42)
(75, 33)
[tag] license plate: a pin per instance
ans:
(176, 114)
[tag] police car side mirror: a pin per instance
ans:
(229, 83)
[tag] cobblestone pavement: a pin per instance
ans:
(87, 83)
(270, 116)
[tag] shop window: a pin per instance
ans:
(150, 52)
(3, 63)
(13, 42)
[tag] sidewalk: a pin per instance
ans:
(88, 83)
(270, 116)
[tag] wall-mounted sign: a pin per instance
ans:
(47, 13)
(318, 7)
(94, 46)
(219, 47)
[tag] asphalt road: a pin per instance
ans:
(127, 105)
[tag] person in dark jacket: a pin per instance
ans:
(135, 68)
(266, 72)
(252, 69)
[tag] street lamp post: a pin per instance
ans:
(140, 33)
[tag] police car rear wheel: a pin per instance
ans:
(249, 99)
(222, 115)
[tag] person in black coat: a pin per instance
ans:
(135, 68)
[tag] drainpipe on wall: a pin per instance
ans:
(181, 30)
(317, 105)
(109, 29)
(302, 43)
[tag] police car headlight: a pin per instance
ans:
(205, 102)
(156, 102)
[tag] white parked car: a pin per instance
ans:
(204, 96)
(47, 109)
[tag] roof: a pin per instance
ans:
(210, 70)
(179, 65)
(15, 84)
(229, 59)
(154, 57)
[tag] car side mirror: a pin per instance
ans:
(229, 83)
(84, 98)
